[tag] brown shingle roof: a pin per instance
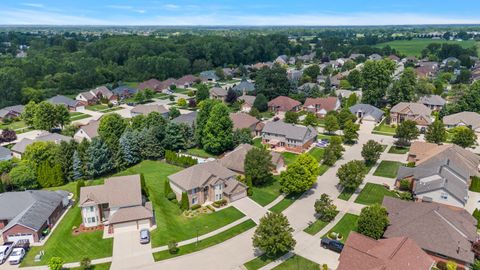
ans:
(198, 175)
(437, 228)
(414, 108)
(328, 103)
(283, 103)
(235, 160)
(242, 120)
(146, 109)
(130, 214)
(151, 84)
(398, 253)
(91, 128)
(120, 191)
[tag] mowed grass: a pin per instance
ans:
(398, 150)
(199, 153)
(266, 193)
(346, 194)
(258, 142)
(208, 242)
(289, 158)
(384, 129)
(260, 262)
(67, 246)
(414, 47)
(316, 226)
(374, 193)
(13, 125)
(285, 203)
(171, 224)
(296, 263)
(317, 153)
(347, 224)
(74, 116)
(388, 169)
(96, 107)
(100, 266)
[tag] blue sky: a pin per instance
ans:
(240, 12)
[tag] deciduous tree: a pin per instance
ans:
(351, 174)
(274, 234)
(436, 132)
(258, 166)
(373, 221)
(371, 152)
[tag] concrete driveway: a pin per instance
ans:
(250, 208)
(128, 253)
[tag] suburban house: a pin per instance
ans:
(344, 93)
(235, 160)
(188, 119)
(218, 93)
(19, 148)
(145, 109)
(284, 104)
(375, 57)
(426, 69)
(30, 214)
(244, 87)
(88, 131)
(242, 120)
(95, 95)
(442, 173)
(123, 92)
(117, 203)
(468, 119)
(5, 153)
(247, 102)
(288, 137)
(209, 76)
(11, 112)
(321, 106)
(367, 112)
(394, 58)
(364, 253)
(417, 112)
(294, 75)
(72, 105)
(443, 232)
(207, 182)
(434, 102)
(152, 84)
(186, 81)
(282, 60)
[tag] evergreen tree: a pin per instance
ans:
(77, 166)
(152, 146)
(436, 132)
(218, 133)
(174, 138)
(130, 146)
(261, 103)
(167, 189)
(65, 158)
(99, 158)
(184, 204)
(231, 96)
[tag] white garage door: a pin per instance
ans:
(125, 227)
(238, 196)
(17, 237)
(144, 224)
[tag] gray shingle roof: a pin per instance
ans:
(432, 100)
(209, 75)
(29, 208)
(290, 131)
(146, 109)
(218, 91)
(235, 160)
(120, 191)
(188, 118)
(367, 109)
(468, 118)
(244, 85)
(5, 153)
(16, 109)
(199, 174)
(63, 100)
(44, 137)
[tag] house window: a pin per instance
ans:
(194, 200)
(444, 195)
(218, 196)
(91, 209)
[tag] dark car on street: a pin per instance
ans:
(334, 245)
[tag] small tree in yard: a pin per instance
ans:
(56, 263)
(167, 189)
(373, 221)
(184, 204)
(291, 117)
(331, 124)
(274, 235)
(173, 247)
(351, 174)
(333, 151)
(464, 136)
(350, 132)
(258, 166)
(300, 175)
(325, 209)
(86, 264)
(406, 132)
(436, 132)
(371, 152)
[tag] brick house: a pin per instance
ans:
(284, 104)
(288, 137)
(417, 112)
(321, 106)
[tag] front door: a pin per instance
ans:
(205, 194)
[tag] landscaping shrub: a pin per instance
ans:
(184, 204)
(211, 208)
(476, 215)
(80, 184)
(404, 184)
(167, 189)
(86, 264)
(411, 164)
(442, 265)
(171, 196)
(219, 203)
(144, 186)
(172, 247)
(195, 206)
(475, 184)
(179, 160)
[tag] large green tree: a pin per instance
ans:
(325, 209)
(300, 175)
(131, 146)
(351, 174)
(350, 132)
(331, 124)
(99, 158)
(23, 176)
(406, 132)
(373, 221)
(272, 82)
(371, 152)
(436, 132)
(403, 90)
(464, 136)
(203, 115)
(110, 129)
(218, 132)
(273, 235)
(376, 77)
(258, 166)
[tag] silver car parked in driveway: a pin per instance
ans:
(144, 236)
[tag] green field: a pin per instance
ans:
(387, 169)
(15, 125)
(414, 47)
(266, 193)
(347, 224)
(373, 193)
(297, 262)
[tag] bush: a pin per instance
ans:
(175, 201)
(167, 189)
(171, 98)
(411, 164)
(404, 184)
(110, 105)
(195, 207)
(324, 267)
(442, 265)
(86, 264)
(219, 203)
(184, 204)
(172, 247)
(179, 160)
(171, 196)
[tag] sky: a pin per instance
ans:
(239, 12)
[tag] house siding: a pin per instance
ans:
(19, 229)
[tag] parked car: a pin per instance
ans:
(5, 250)
(23, 243)
(331, 244)
(144, 236)
(17, 256)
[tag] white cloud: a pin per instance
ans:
(35, 5)
(171, 6)
(128, 8)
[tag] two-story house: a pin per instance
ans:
(417, 112)
(218, 93)
(288, 137)
(434, 102)
(282, 104)
(321, 106)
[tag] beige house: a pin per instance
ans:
(468, 119)
(117, 203)
(411, 111)
(218, 93)
(88, 131)
(207, 182)
(235, 160)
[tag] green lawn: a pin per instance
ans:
(475, 185)
(131, 84)
(267, 115)
(112, 109)
(298, 263)
(71, 248)
(74, 116)
(398, 150)
(373, 193)
(347, 224)
(13, 125)
(171, 224)
(323, 169)
(208, 242)
(346, 194)
(260, 262)
(388, 169)
(316, 226)
(258, 142)
(200, 153)
(267, 193)
(285, 203)
(101, 266)
(317, 153)
(384, 129)
(325, 136)
(289, 158)
(96, 107)
(414, 47)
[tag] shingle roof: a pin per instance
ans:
(151, 84)
(434, 227)
(199, 174)
(415, 108)
(29, 208)
(218, 91)
(127, 214)
(21, 146)
(398, 253)
(290, 131)
(16, 109)
(328, 103)
(468, 118)
(367, 109)
(63, 100)
(146, 109)
(209, 75)
(235, 160)
(249, 100)
(120, 191)
(91, 128)
(242, 120)
(435, 100)
(244, 85)
(103, 91)
(283, 103)
(124, 90)
(188, 118)
(88, 95)
(5, 153)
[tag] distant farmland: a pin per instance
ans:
(414, 47)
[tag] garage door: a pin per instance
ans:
(144, 224)
(125, 227)
(17, 237)
(238, 196)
